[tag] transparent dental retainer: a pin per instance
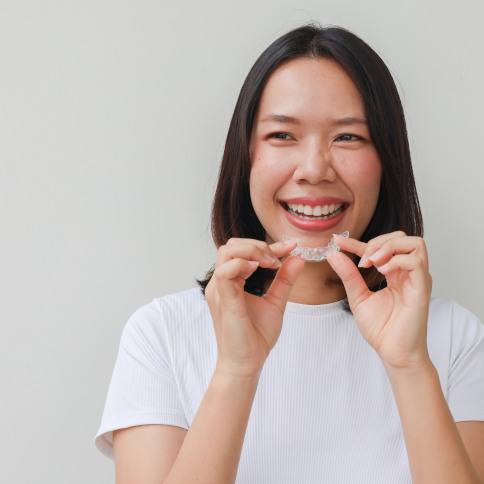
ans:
(315, 254)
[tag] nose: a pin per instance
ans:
(316, 164)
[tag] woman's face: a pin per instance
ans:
(318, 154)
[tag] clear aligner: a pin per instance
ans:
(316, 254)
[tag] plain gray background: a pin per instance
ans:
(113, 117)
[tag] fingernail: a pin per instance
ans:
(376, 255)
(289, 242)
(383, 269)
(363, 261)
(270, 259)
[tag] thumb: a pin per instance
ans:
(286, 276)
(355, 286)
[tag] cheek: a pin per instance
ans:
(266, 159)
(362, 172)
(369, 174)
(267, 175)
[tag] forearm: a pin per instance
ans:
(435, 450)
(212, 446)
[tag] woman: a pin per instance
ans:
(370, 373)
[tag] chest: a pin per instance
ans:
(324, 427)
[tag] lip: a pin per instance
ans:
(314, 201)
(314, 225)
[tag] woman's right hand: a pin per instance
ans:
(248, 326)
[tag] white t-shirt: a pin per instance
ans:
(323, 411)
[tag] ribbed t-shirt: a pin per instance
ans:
(324, 410)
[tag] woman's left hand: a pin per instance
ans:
(393, 320)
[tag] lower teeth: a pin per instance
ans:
(309, 217)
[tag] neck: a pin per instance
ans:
(317, 284)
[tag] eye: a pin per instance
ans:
(348, 134)
(276, 135)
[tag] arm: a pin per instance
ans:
(212, 446)
(435, 449)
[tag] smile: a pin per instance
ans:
(313, 222)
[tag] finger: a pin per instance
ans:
(244, 241)
(249, 252)
(279, 249)
(378, 241)
(374, 244)
(231, 275)
(276, 249)
(283, 282)
(401, 245)
(355, 286)
(258, 243)
(349, 244)
(411, 263)
(340, 240)
(404, 262)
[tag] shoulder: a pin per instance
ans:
(151, 321)
(455, 324)
(189, 300)
(451, 313)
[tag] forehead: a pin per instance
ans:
(312, 89)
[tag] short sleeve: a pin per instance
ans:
(143, 388)
(466, 372)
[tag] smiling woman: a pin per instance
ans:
(330, 152)
(349, 374)
(318, 116)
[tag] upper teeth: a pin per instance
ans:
(316, 211)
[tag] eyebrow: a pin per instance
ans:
(282, 118)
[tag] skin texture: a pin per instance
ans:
(314, 158)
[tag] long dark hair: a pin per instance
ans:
(397, 207)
